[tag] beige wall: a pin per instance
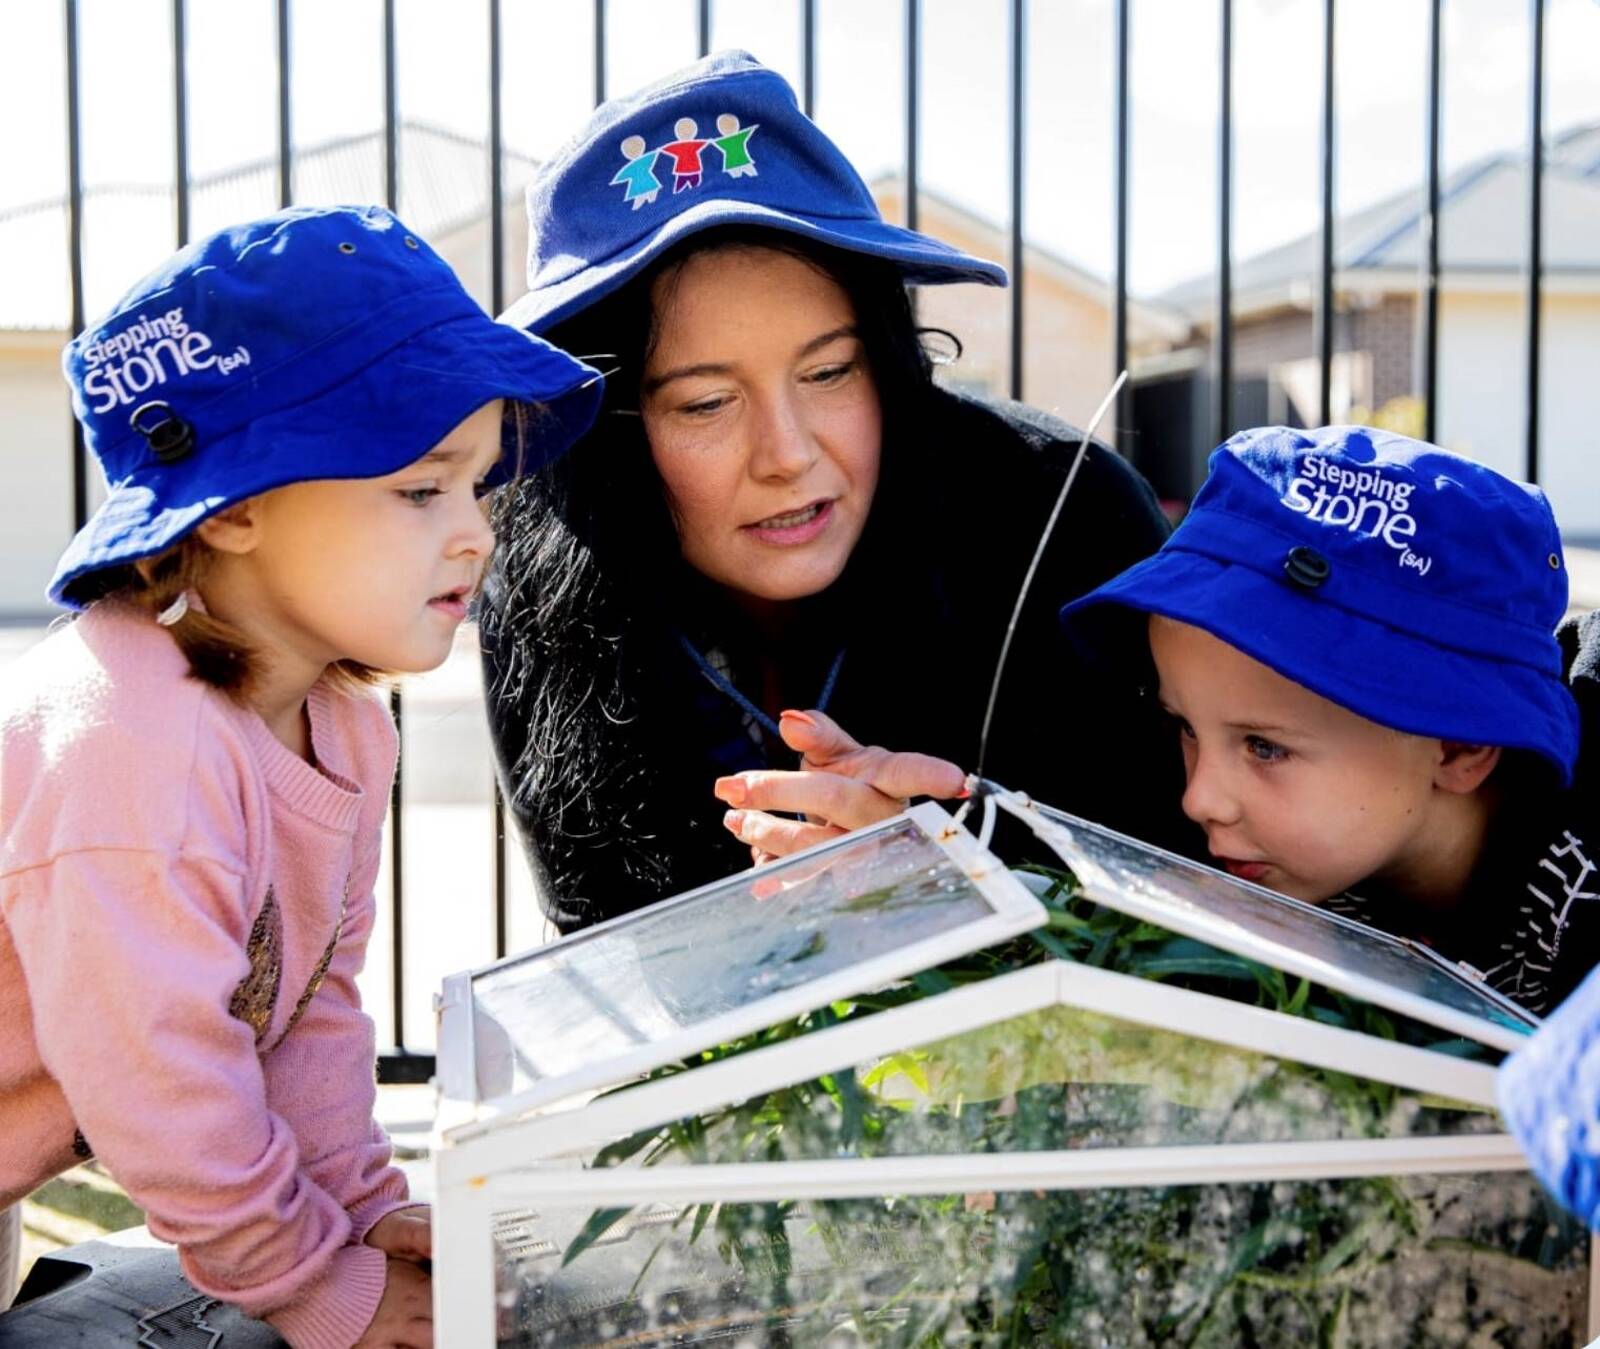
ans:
(36, 452)
(1482, 359)
(1066, 319)
(1066, 343)
(467, 250)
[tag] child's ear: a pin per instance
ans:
(1462, 768)
(235, 530)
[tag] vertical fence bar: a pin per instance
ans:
(80, 460)
(599, 52)
(1430, 231)
(913, 59)
(1019, 14)
(1119, 304)
(808, 57)
(497, 158)
(391, 112)
(180, 124)
(285, 147)
(1535, 236)
(1224, 344)
(497, 300)
(703, 27)
(1325, 271)
(397, 908)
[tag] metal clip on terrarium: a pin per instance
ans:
(890, 1091)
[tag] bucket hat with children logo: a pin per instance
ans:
(721, 142)
(1419, 589)
(319, 342)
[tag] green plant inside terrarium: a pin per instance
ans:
(1412, 1260)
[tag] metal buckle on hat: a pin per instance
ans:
(1306, 567)
(170, 437)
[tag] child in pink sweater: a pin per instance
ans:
(295, 418)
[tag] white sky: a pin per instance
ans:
(337, 63)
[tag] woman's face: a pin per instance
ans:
(763, 420)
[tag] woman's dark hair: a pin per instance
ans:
(588, 579)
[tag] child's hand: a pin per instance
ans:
(405, 1234)
(404, 1319)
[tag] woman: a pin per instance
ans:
(778, 508)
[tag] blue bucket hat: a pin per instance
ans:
(320, 342)
(722, 142)
(1412, 586)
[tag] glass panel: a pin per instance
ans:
(964, 177)
(336, 102)
(1411, 1260)
(1569, 469)
(1068, 205)
(861, 92)
(722, 949)
(645, 41)
(1380, 183)
(1483, 232)
(1058, 1078)
(1173, 226)
(1186, 896)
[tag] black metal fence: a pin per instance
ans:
(399, 1064)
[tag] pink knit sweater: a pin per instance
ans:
(177, 988)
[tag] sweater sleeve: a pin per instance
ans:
(131, 959)
(322, 1073)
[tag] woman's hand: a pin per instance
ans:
(405, 1234)
(404, 1319)
(841, 785)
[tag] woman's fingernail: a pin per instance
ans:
(804, 718)
(734, 821)
(731, 790)
(963, 794)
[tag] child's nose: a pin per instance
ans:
(475, 535)
(1207, 798)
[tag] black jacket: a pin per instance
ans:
(921, 635)
(1530, 920)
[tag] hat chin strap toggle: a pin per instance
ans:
(171, 438)
(1306, 567)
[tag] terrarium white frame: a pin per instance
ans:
(490, 1166)
(1054, 828)
(1014, 910)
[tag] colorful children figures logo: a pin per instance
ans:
(686, 151)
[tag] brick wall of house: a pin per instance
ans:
(1388, 331)
(1259, 343)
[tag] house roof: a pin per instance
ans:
(443, 187)
(1482, 230)
(941, 215)
(128, 227)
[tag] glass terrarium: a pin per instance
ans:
(892, 1092)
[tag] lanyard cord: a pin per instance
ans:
(725, 685)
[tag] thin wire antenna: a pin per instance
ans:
(1033, 567)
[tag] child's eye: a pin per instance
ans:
(1263, 750)
(1179, 724)
(418, 496)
